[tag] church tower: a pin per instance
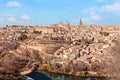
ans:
(80, 23)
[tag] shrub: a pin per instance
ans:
(37, 32)
(22, 37)
(104, 33)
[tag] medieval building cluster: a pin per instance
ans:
(61, 48)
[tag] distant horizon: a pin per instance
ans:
(63, 23)
(48, 12)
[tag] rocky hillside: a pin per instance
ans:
(83, 50)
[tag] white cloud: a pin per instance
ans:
(117, 0)
(25, 17)
(114, 8)
(94, 16)
(5, 15)
(13, 4)
(111, 8)
(90, 9)
(1, 20)
(86, 20)
(94, 12)
(11, 19)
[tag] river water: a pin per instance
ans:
(52, 76)
(49, 76)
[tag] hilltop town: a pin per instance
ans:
(81, 50)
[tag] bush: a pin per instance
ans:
(22, 37)
(37, 32)
(104, 33)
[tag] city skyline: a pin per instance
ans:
(47, 12)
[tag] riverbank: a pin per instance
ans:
(61, 76)
(49, 76)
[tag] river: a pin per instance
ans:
(52, 76)
(48, 76)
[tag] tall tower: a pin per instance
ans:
(80, 23)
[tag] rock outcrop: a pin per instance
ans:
(16, 58)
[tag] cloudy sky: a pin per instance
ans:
(46, 12)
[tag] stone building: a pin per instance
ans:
(44, 29)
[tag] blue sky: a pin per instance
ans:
(46, 12)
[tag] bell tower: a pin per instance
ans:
(80, 23)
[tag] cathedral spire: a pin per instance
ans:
(80, 22)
